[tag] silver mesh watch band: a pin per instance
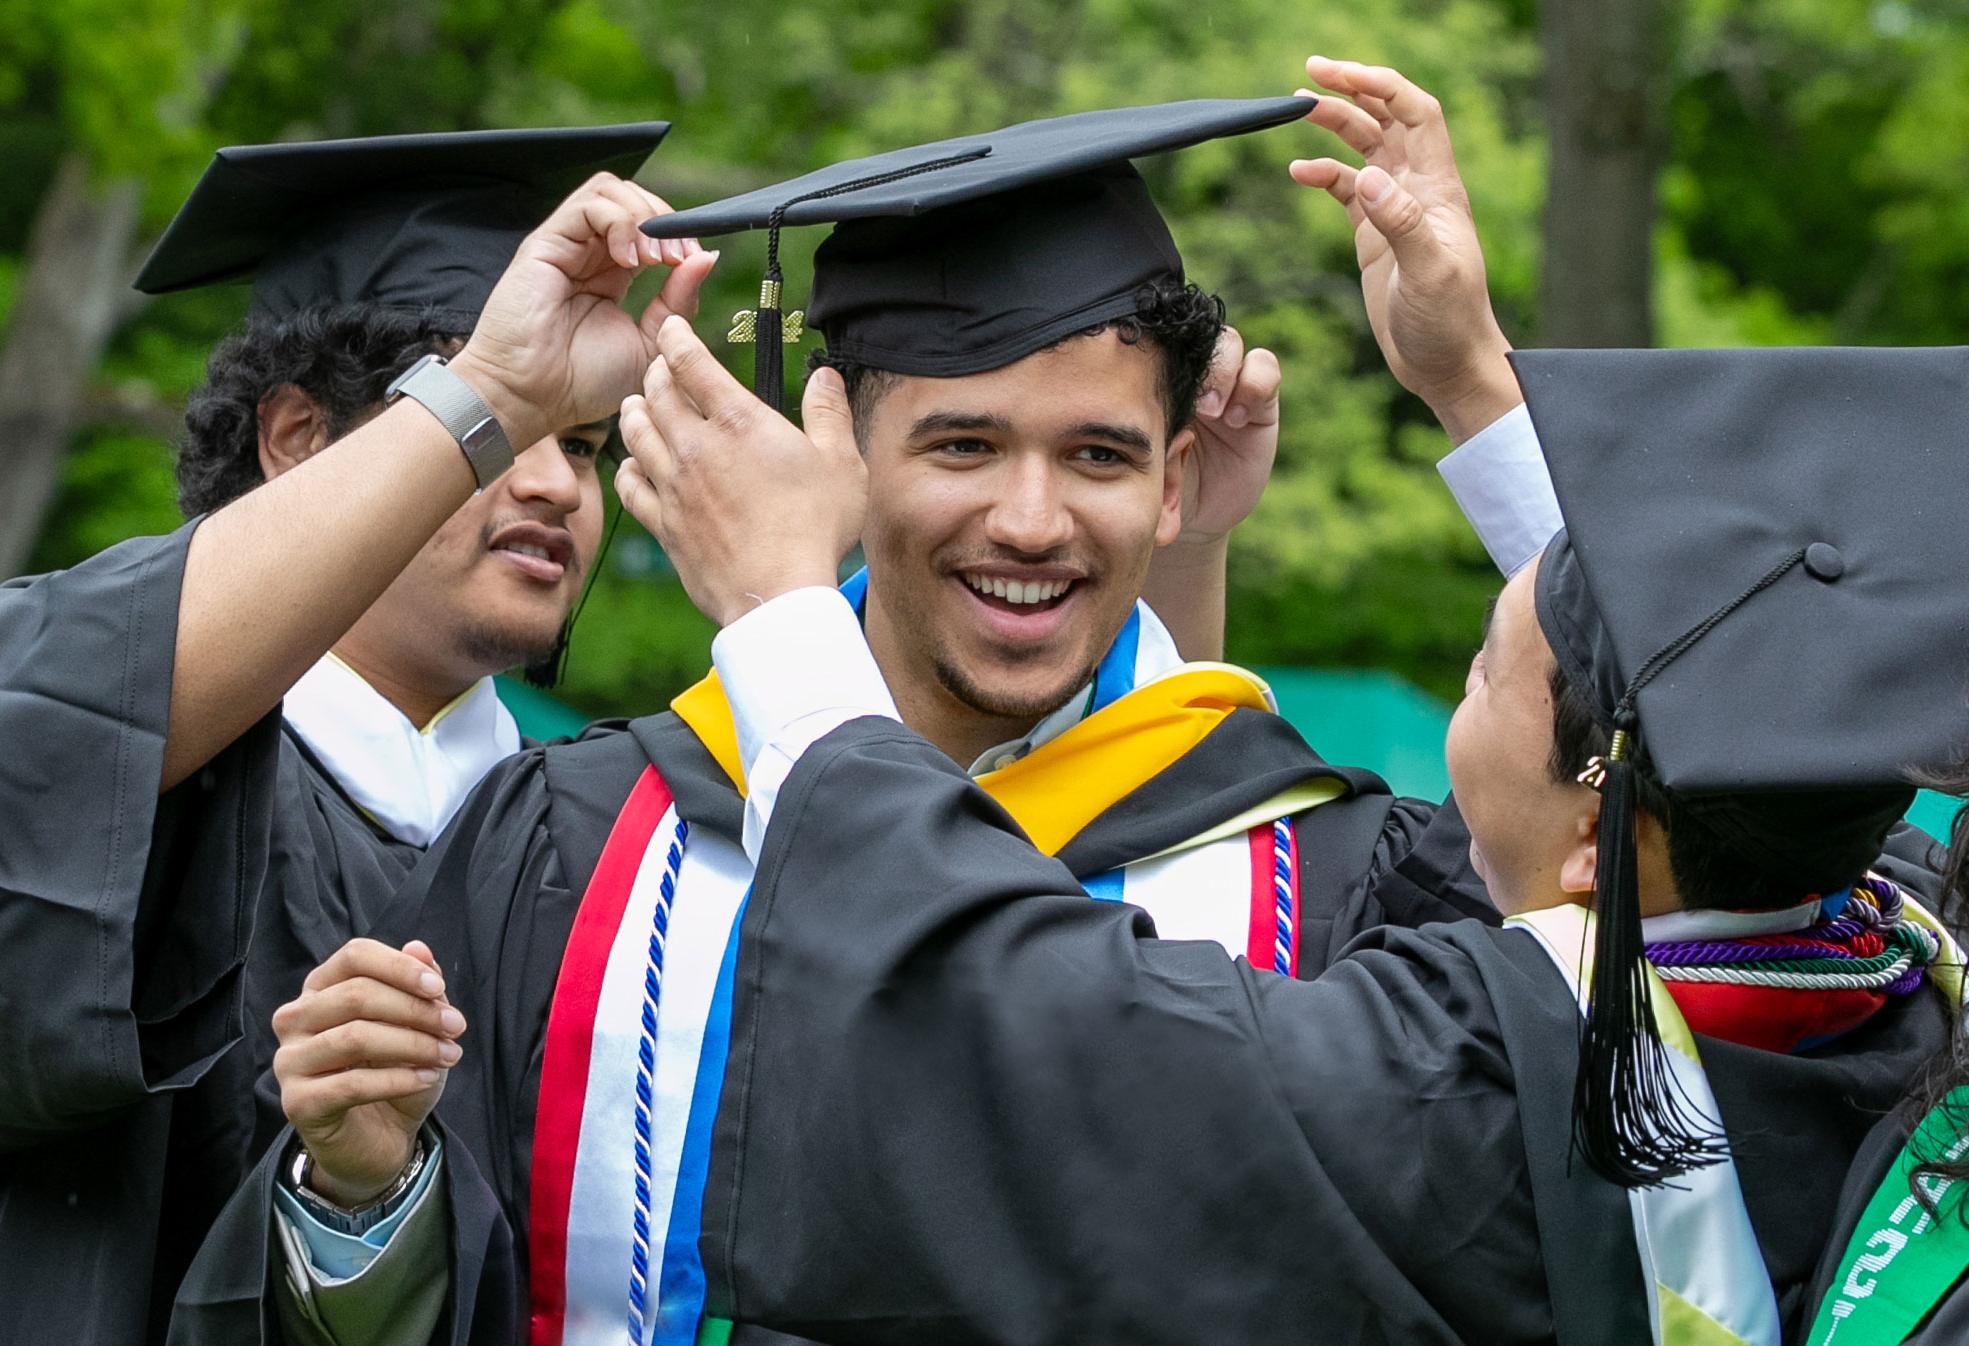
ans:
(462, 411)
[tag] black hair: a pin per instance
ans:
(1181, 321)
(1709, 872)
(343, 356)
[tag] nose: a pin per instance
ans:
(1029, 510)
(543, 473)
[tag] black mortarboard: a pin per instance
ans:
(416, 223)
(965, 255)
(1761, 589)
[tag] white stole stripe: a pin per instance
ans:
(712, 884)
(1693, 1235)
(1201, 893)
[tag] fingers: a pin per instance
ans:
(364, 998)
(371, 958)
(633, 488)
(1398, 217)
(611, 211)
(670, 251)
(824, 411)
(1394, 101)
(314, 1097)
(1221, 377)
(679, 295)
(1353, 124)
(1254, 401)
(1334, 178)
(364, 1044)
(710, 388)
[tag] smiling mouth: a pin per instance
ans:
(538, 552)
(1018, 595)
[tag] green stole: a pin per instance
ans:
(1902, 1260)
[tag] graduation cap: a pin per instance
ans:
(414, 223)
(967, 254)
(1761, 591)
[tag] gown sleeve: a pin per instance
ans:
(963, 1104)
(490, 899)
(124, 917)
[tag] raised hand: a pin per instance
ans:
(747, 505)
(553, 346)
(1236, 441)
(363, 1055)
(1422, 268)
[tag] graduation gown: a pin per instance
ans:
(126, 921)
(930, 1133)
(499, 895)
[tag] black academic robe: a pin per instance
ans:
(1379, 1155)
(144, 944)
(930, 1134)
(498, 894)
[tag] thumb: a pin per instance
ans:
(1398, 217)
(824, 411)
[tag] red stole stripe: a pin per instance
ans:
(1261, 938)
(570, 1037)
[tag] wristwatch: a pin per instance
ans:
(462, 411)
(351, 1220)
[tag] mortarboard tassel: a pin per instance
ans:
(1633, 1122)
(765, 325)
(546, 672)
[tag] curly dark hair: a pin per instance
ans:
(343, 356)
(1181, 321)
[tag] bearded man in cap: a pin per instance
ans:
(1020, 358)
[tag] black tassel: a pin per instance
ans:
(1632, 1121)
(767, 325)
(768, 354)
(546, 671)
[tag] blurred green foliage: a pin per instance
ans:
(1817, 190)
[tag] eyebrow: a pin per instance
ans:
(942, 422)
(1126, 436)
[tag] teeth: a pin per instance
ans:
(522, 549)
(1016, 591)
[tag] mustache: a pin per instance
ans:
(980, 558)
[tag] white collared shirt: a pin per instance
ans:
(408, 780)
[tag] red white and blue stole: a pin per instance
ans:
(635, 1060)
(640, 1025)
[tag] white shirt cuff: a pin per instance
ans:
(794, 670)
(1501, 484)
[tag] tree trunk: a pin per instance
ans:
(69, 304)
(1606, 97)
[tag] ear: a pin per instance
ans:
(292, 429)
(1576, 870)
(1176, 462)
